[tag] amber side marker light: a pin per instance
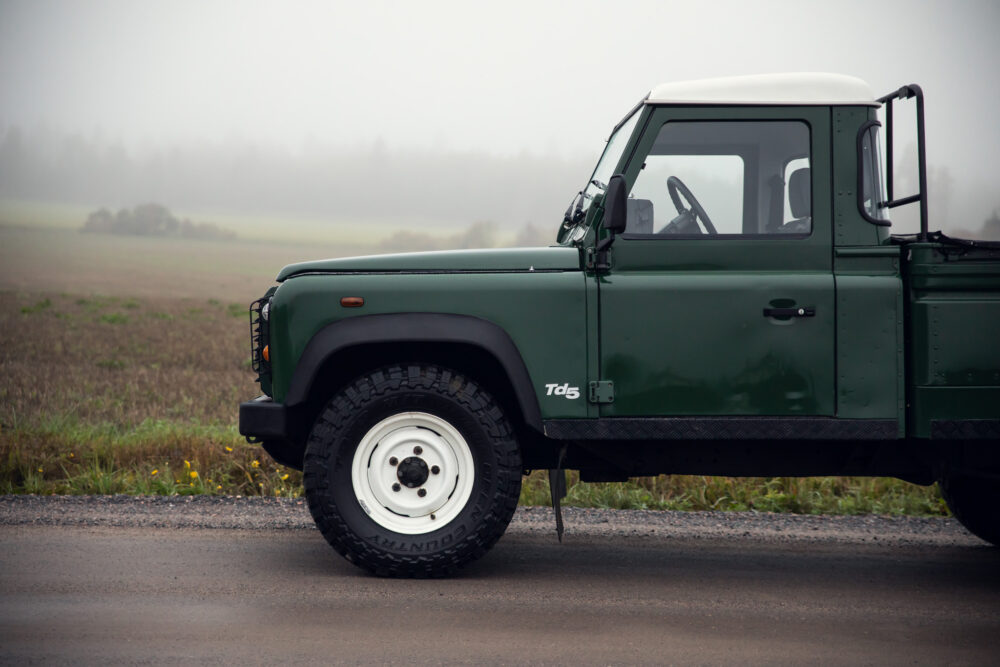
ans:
(352, 302)
(266, 353)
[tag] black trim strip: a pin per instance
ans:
(722, 428)
(965, 429)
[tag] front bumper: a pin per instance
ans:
(271, 424)
(263, 419)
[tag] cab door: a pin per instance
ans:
(720, 296)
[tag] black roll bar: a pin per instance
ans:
(904, 93)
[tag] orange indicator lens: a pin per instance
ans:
(352, 302)
(266, 353)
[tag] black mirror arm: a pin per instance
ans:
(601, 252)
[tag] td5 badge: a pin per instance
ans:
(555, 389)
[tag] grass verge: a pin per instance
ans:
(797, 495)
(63, 456)
(155, 457)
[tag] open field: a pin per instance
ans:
(280, 229)
(123, 359)
(46, 260)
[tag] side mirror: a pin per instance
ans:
(615, 199)
(615, 214)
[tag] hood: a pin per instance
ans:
(556, 258)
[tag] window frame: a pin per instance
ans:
(751, 191)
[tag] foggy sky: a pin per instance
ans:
(549, 79)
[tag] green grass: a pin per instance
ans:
(65, 456)
(799, 495)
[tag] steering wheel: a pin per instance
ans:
(674, 185)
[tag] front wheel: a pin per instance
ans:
(975, 502)
(412, 471)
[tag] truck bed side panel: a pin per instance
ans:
(954, 336)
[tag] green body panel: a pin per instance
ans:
(544, 313)
(954, 337)
(850, 229)
(492, 259)
(697, 343)
(870, 364)
(682, 328)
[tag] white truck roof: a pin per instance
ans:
(797, 88)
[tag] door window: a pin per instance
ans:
(724, 179)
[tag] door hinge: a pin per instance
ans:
(602, 391)
(598, 261)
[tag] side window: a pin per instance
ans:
(724, 178)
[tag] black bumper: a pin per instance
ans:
(271, 425)
(263, 419)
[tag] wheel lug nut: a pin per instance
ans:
(422, 492)
(395, 487)
(435, 470)
(393, 461)
(418, 450)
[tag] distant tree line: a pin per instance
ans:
(355, 184)
(151, 220)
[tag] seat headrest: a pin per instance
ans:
(799, 197)
(639, 214)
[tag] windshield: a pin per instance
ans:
(602, 173)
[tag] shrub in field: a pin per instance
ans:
(151, 220)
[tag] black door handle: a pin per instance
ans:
(799, 311)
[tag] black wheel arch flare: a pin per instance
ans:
(415, 328)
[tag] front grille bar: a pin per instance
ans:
(259, 338)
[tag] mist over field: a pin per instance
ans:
(391, 116)
(409, 187)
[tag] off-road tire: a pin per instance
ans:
(975, 502)
(377, 396)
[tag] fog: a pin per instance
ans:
(438, 113)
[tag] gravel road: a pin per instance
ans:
(171, 580)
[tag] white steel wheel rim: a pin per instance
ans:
(397, 445)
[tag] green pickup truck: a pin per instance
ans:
(724, 297)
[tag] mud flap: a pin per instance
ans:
(557, 486)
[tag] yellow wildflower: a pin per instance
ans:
(260, 484)
(218, 488)
(228, 448)
(193, 474)
(255, 464)
(71, 454)
(284, 477)
(155, 470)
(187, 464)
(40, 470)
